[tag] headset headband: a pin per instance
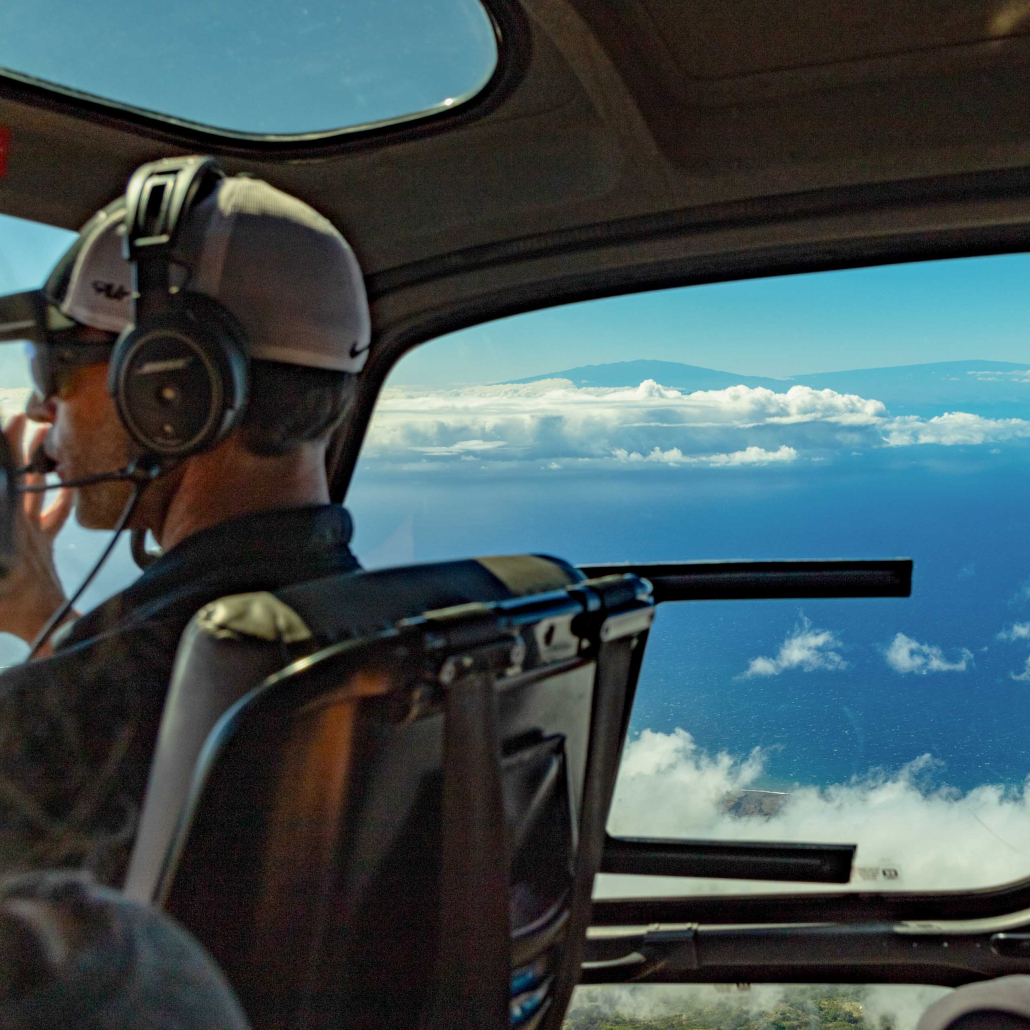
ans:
(157, 198)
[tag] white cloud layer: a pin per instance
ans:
(907, 655)
(936, 837)
(955, 428)
(1017, 631)
(674, 456)
(12, 400)
(651, 425)
(1024, 676)
(1016, 376)
(804, 648)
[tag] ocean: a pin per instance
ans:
(917, 751)
(963, 521)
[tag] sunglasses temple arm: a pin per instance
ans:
(23, 317)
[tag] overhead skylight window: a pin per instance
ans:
(258, 67)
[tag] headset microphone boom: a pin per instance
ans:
(141, 471)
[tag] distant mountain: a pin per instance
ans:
(668, 373)
(999, 389)
(986, 387)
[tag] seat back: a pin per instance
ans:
(234, 643)
(402, 828)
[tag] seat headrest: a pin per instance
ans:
(357, 603)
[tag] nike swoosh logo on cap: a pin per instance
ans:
(353, 353)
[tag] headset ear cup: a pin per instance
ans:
(232, 354)
(179, 381)
(121, 346)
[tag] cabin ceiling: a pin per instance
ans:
(621, 136)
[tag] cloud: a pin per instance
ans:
(1018, 376)
(804, 648)
(954, 428)
(12, 400)
(754, 456)
(463, 447)
(651, 425)
(645, 425)
(1017, 631)
(936, 836)
(907, 655)
(1024, 676)
(674, 456)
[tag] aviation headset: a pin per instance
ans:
(179, 375)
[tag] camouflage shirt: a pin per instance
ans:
(77, 730)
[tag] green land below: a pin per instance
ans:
(792, 1008)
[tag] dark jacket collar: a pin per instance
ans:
(260, 551)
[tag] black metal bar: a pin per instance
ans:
(749, 580)
(826, 953)
(838, 907)
(734, 860)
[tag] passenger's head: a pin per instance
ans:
(73, 954)
(285, 279)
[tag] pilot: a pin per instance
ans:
(248, 510)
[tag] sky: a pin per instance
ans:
(262, 66)
(781, 326)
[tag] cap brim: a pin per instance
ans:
(23, 316)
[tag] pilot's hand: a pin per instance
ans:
(32, 592)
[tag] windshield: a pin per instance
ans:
(870, 413)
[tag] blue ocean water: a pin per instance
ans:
(961, 514)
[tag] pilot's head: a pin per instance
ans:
(290, 287)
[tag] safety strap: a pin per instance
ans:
(474, 954)
(614, 660)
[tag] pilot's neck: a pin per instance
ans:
(228, 482)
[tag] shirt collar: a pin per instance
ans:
(276, 548)
(286, 535)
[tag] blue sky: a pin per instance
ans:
(257, 66)
(28, 250)
(781, 326)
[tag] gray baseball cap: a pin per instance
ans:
(282, 270)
